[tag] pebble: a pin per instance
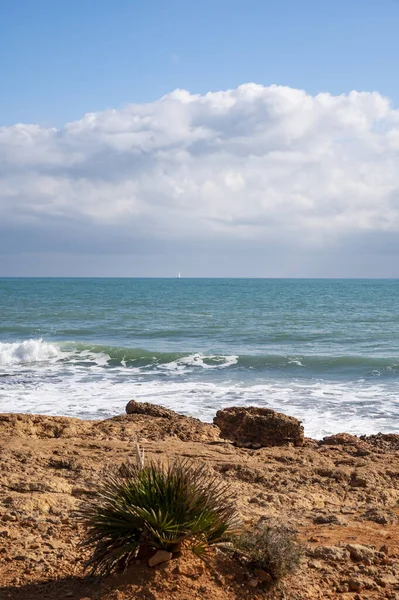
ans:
(159, 557)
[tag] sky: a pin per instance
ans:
(218, 139)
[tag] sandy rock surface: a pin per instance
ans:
(342, 497)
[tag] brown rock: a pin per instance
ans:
(9, 518)
(332, 553)
(341, 439)
(357, 584)
(328, 519)
(263, 576)
(383, 440)
(146, 408)
(361, 553)
(159, 557)
(382, 517)
(361, 479)
(190, 570)
(258, 427)
(386, 580)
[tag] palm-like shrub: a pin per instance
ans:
(139, 509)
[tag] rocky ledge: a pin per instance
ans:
(340, 494)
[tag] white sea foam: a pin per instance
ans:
(324, 408)
(27, 352)
(295, 361)
(200, 360)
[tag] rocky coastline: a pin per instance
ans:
(340, 494)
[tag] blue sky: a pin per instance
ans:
(61, 59)
(218, 138)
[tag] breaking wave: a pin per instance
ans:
(27, 352)
(39, 351)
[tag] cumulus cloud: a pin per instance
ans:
(256, 164)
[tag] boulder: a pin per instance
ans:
(146, 408)
(154, 422)
(254, 427)
(341, 439)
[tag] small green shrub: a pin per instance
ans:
(273, 549)
(139, 509)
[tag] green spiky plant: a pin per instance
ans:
(139, 509)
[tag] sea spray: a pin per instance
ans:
(27, 352)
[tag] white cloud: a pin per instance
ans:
(254, 163)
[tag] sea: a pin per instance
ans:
(325, 351)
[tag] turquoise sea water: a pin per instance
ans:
(326, 351)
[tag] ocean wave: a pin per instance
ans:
(27, 352)
(105, 356)
(138, 357)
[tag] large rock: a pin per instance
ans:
(152, 410)
(158, 423)
(254, 427)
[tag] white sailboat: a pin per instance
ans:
(178, 275)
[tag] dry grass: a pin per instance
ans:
(276, 550)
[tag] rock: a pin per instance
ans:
(159, 557)
(190, 570)
(383, 440)
(341, 439)
(382, 517)
(386, 580)
(263, 576)
(361, 480)
(146, 408)
(155, 422)
(253, 582)
(9, 518)
(361, 553)
(362, 451)
(258, 427)
(332, 553)
(328, 519)
(357, 584)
